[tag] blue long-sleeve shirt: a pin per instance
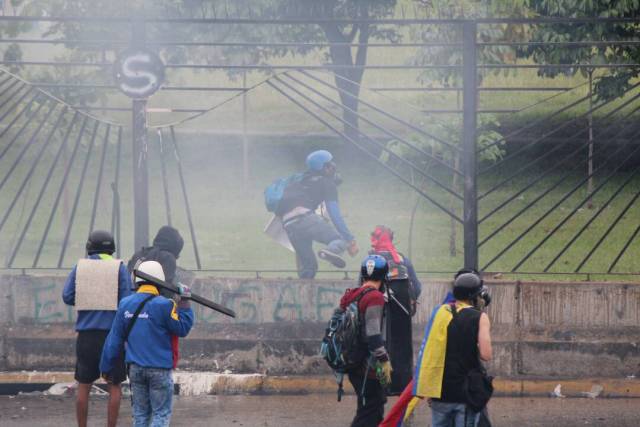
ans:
(96, 319)
(149, 342)
(336, 217)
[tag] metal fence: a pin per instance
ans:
(489, 199)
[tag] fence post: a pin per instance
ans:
(245, 139)
(140, 146)
(469, 156)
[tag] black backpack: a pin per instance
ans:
(340, 346)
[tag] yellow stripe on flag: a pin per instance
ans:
(432, 364)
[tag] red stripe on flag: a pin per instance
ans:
(396, 415)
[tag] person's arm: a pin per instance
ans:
(417, 285)
(114, 343)
(484, 338)
(336, 218)
(179, 318)
(373, 327)
(124, 282)
(330, 197)
(69, 290)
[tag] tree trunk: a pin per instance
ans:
(348, 79)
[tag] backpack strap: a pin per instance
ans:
(135, 316)
(362, 294)
(454, 312)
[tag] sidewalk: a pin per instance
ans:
(203, 383)
(314, 411)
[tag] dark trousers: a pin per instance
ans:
(303, 232)
(399, 336)
(371, 401)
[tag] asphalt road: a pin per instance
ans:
(315, 411)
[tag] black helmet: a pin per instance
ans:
(467, 285)
(100, 242)
(374, 267)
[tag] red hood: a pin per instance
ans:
(382, 241)
(349, 296)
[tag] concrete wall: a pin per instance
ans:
(539, 329)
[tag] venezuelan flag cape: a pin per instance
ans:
(427, 379)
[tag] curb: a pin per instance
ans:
(199, 383)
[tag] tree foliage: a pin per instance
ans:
(338, 35)
(616, 80)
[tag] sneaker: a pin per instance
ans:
(332, 257)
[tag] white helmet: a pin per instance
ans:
(152, 268)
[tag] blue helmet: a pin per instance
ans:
(374, 267)
(316, 160)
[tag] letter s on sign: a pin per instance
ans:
(138, 73)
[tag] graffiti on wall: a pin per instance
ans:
(253, 301)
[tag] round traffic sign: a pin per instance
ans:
(138, 72)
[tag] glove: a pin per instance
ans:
(353, 248)
(185, 291)
(383, 372)
(185, 296)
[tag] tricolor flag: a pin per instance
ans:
(427, 378)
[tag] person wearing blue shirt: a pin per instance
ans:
(149, 353)
(303, 226)
(93, 326)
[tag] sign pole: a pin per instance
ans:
(140, 174)
(139, 73)
(469, 156)
(140, 167)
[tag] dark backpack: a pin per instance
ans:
(340, 346)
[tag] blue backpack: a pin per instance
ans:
(274, 192)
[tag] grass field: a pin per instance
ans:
(229, 217)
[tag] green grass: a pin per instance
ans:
(229, 217)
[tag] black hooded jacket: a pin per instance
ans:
(166, 248)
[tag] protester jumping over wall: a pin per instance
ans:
(403, 289)
(295, 199)
(146, 321)
(95, 286)
(374, 372)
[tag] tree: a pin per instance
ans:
(349, 63)
(617, 81)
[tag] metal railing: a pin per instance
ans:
(451, 177)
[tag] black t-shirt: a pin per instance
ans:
(462, 354)
(308, 193)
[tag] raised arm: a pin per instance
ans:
(179, 319)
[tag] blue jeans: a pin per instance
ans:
(151, 396)
(445, 414)
(303, 232)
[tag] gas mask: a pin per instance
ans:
(483, 299)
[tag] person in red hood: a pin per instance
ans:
(403, 289)
(374, 374)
